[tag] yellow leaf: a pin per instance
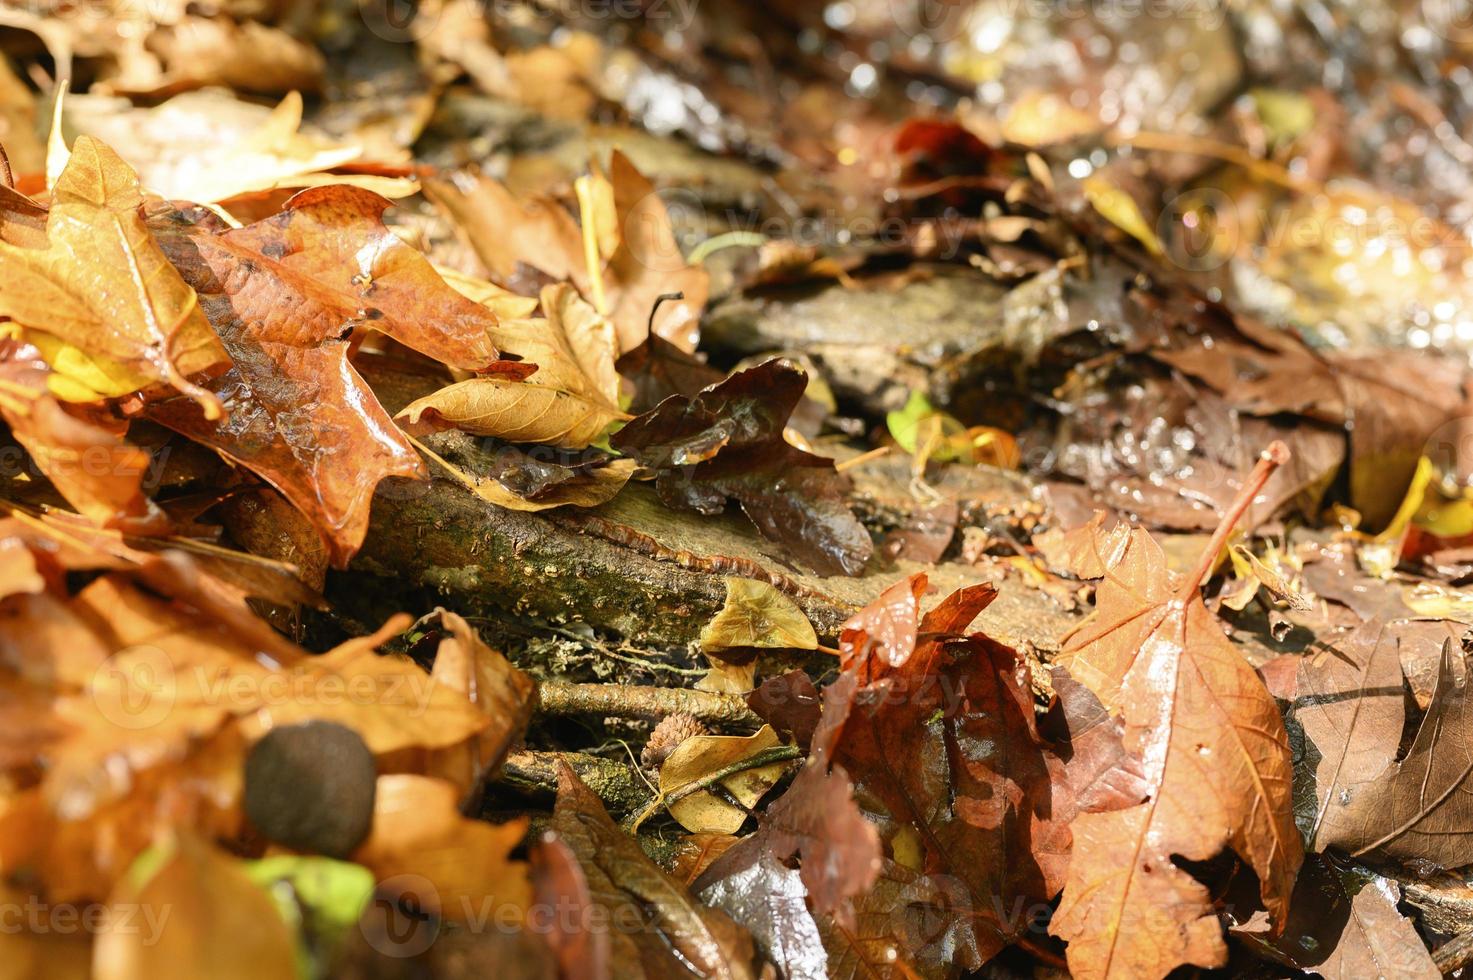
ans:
(104, 287)
(757, 615)
(1120, 209)
(421, 846)
(569, 401)
(699, 757)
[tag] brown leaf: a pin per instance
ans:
(649, 264)
(454, 866)
(335, 236)
(499, 691)
(1343, 925)
(659, 369)
(518, 479)
(1350, 703)
(1217, 767)
(301, 417)
(644, 263)
(790, 703)
(1418, 809)
(676, 934)
(103, 289)
(768, 899)
(909, 924)
(727, 443)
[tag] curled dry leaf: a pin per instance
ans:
(499, 691)
(455, 866)
(727, 443)
(571, 398)
(644, 261)
(1217, 769)
(678, 934)
(701, 757)
(101, 301)
(756, 614)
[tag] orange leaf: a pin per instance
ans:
(1217, 769)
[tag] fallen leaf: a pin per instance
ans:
(658, 369)
(789, 703)
(498, 690)
(457, 867)
(768, 899)
(756, 614)
(102, 302)
(209, 920)
(567, 402)
(649, 264)
(211, 146)
(1417, 809)
(1217, 767)
(83, 454)
(674, 933)
(1344, 924)
(336, 237)
(727, 442)
(301, 417)
(1349, 702)
(702, 756)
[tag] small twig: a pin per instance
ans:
(778, 753)
(631, 700)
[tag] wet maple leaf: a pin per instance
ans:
(300, 416)
(1216, 762)
(335, 235)
(727, 443)
(101, 299)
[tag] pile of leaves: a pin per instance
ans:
(229, 337)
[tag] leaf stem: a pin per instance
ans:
(1276, 455)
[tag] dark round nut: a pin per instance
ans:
(310, 787)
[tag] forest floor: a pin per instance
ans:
(670, 488)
